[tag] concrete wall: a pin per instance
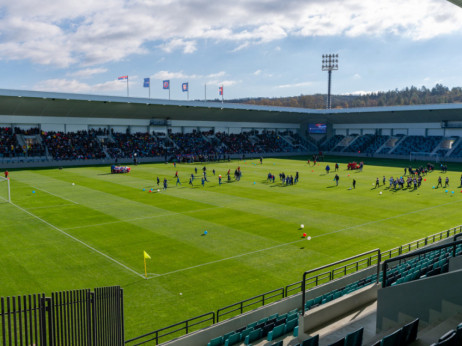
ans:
(423, 299)
(328, 312)
(202, 337)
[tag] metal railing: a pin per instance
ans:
(253, 302)
(452, 245)
(319, 279)
(333, 271)
(184, 326)
(77, 317)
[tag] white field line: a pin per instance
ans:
(79, 241)
(51, 206)
(50, 193)
(301, 240)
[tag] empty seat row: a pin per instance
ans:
(257, 330)
(451, 338)
(401, 337)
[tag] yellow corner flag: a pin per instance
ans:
(145, 255)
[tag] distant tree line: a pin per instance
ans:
(408, 96)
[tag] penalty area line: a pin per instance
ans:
(79, 241)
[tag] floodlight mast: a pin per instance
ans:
(329, 64)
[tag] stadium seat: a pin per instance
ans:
(227, 335)
(393, 339)
(313, 341)
(449, 339)
(276, 332)
(340, 342)
(409, 332)
(290, 326)
(216, 342)
(254, 335)
(233, 339)
(355, 338)
(245, 332)
(266, 329)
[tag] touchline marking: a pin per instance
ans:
(300, 240)
(66, 199)
(79, 241)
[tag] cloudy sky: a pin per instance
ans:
(253, 48)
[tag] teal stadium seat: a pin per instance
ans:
(276, 332)
(313, 341)
(392, 339)
(233, 339)
(216, 342)
(253, 336)
(290, 326)
(355, 338)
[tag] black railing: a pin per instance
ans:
(177, 329)
(452, 245)
(314, 281)
(76, 317)
(253, 303)
(333, 271)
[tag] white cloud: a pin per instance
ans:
(356, 76)
(90, 32)
(181, 75)
(295, 85)
(88, 72)
(257, 72)
(75, 86)
(172, 45)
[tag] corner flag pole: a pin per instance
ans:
(145, 255)
(145, 270)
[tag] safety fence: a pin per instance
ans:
(311, 280)
(78, 317)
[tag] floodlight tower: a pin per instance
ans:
(329, 64)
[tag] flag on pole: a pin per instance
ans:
(146, 256)
(185, 87)
(122, 78)
(166, 84)
(147, 82)
(220, 90)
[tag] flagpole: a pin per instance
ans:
(205, 92)
(149, 89)
(169, 91)
(145, 271)
(127, 88)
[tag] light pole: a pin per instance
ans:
(329, 64)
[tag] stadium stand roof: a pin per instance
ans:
(38, 103)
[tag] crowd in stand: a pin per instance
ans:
(80, 145)
(104, 143)
(127, 145)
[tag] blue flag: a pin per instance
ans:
(147, 82)
(184, 86)
(166, 84)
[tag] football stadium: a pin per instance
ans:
(139, 221)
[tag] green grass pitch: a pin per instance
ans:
(93, 233)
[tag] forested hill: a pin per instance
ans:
(408, 96)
